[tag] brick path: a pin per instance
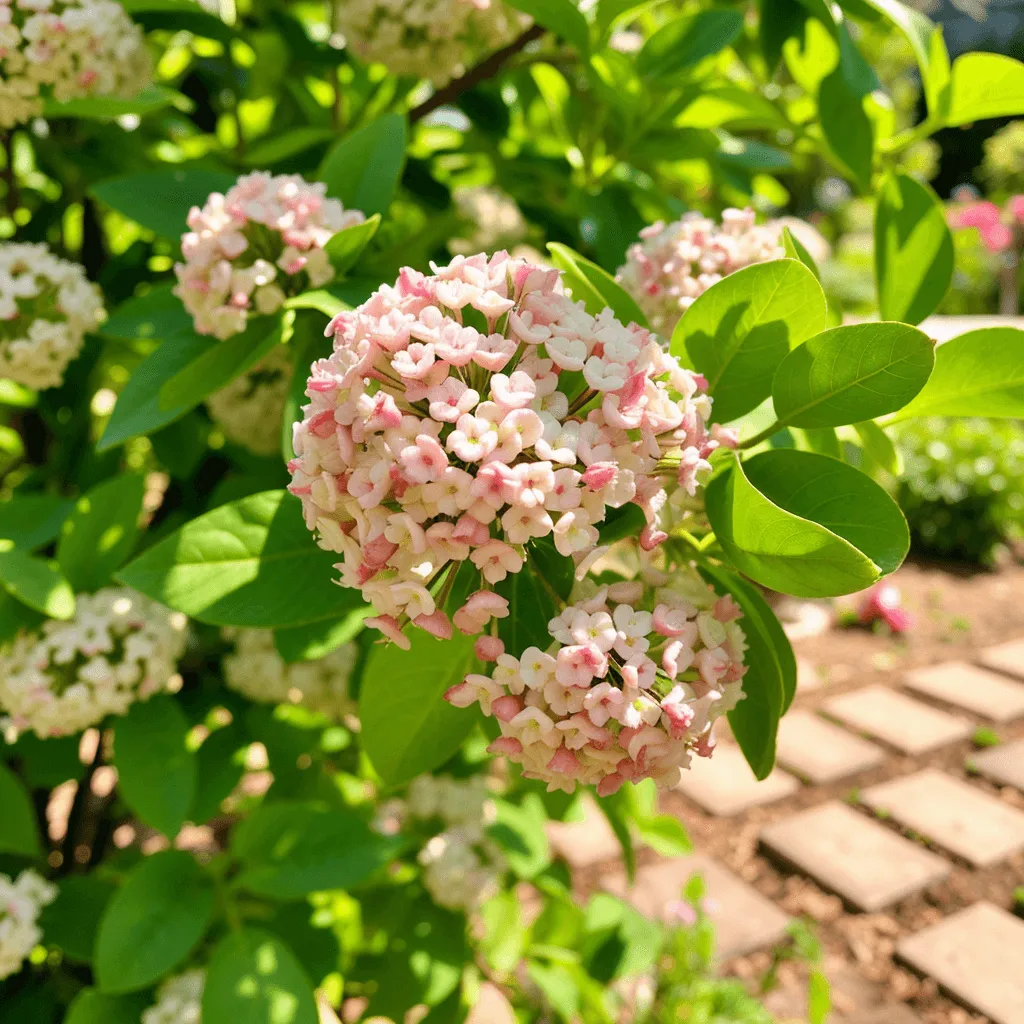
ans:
(902, 839)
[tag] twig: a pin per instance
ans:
(487, 68)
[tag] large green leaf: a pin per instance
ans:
(179, 15)
(739, 331)
(91, 1006)
(363, 169)
(913, 250)
(73, 919)
(254, 978)
(344, 248)
(32, 520)
(100, 533)
(251, 562)
(156, 315)
(408, 726)
(156, 771)
(562, 17)
(980, 373)
(985, 85)
(595, 286)
(852, 373)
(686, 41)
(107, 108)
(847, 127)
(806, 524)
(35, 582)
(220, 764)
(288, 850)
(160, 200)
(18, 832)
(317, 639)
(153, 922)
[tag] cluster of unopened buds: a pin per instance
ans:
(636, 676)
(255, 246)
(179, 1000)
(256, 670)
(119, 648)
(68, 49)
(47, 305)
(674, 264)
(472, 413)
(21, 902)
(433, 39)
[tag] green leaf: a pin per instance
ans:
(847, 128)
(913, 250)
(153, 921)
(562, 17)
(251, 562)
(806, 524)
(35, 582)
(107, 108)
(852, 373)
(878, 447)
(254, 978)
(535, 596)
(219, 767)
(179, 15)
(32, 520)
(363, 169)
(72, 920)
(796, 250)
(100, 532)
(619, 810)
(318, 639)
(558, 986)
(665, 835)
(158, 314)
(686, 41)
(980, 373)
(985, 85)
(408, 726)
(156, 771)
(138, 410)
(344, 248)
(91, 1006)
(595, 286)
(17, 395)
(322, 300)
(504, 933)
(288, 850)
(277, 147)
(160, 200)
(15, 616)
(739, 331)
(18, 834)
(223, 361)
(519, 829)
(819, 998)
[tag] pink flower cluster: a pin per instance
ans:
(466, 414)
(995, 225)
(884, 603)
(629, 690)
(255, 246)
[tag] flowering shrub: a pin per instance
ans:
(46, 308)
(290, 453)
(255, 246)
(447, 458)
(67, 49)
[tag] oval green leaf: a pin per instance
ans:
(985, 85)
(35, 582)
(363, 169)
(594, 285)
(18, 833)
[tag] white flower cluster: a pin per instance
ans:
(46, 308)
(20, 904)
(118, 648)
(249, 410)
(255, 670)
(179, 1000)
(70, 49)
(492, 217)
(461, 866)
(434, 39)
(673, 264)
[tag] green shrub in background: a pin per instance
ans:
(962, 489)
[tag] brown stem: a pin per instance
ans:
(487, 68)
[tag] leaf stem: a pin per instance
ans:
(772, 428)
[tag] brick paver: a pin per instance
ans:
(976, 956)
(724, 784)
(955, 815)
(1003, 764)
(1008, 658)
(587, 842)
(890, 1013)
(822, 752)
(849, 854)
(896, 719)
(745, 921)
(971, 688)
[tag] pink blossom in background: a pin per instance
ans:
(884, 603)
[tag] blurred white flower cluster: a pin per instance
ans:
(462, 867)
(46, 307)
(70, 49)
(433, 39)
(21, 902)
(258, 672)
(492, 220)
(179, 1000)
(249, 410)
(118, 648)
